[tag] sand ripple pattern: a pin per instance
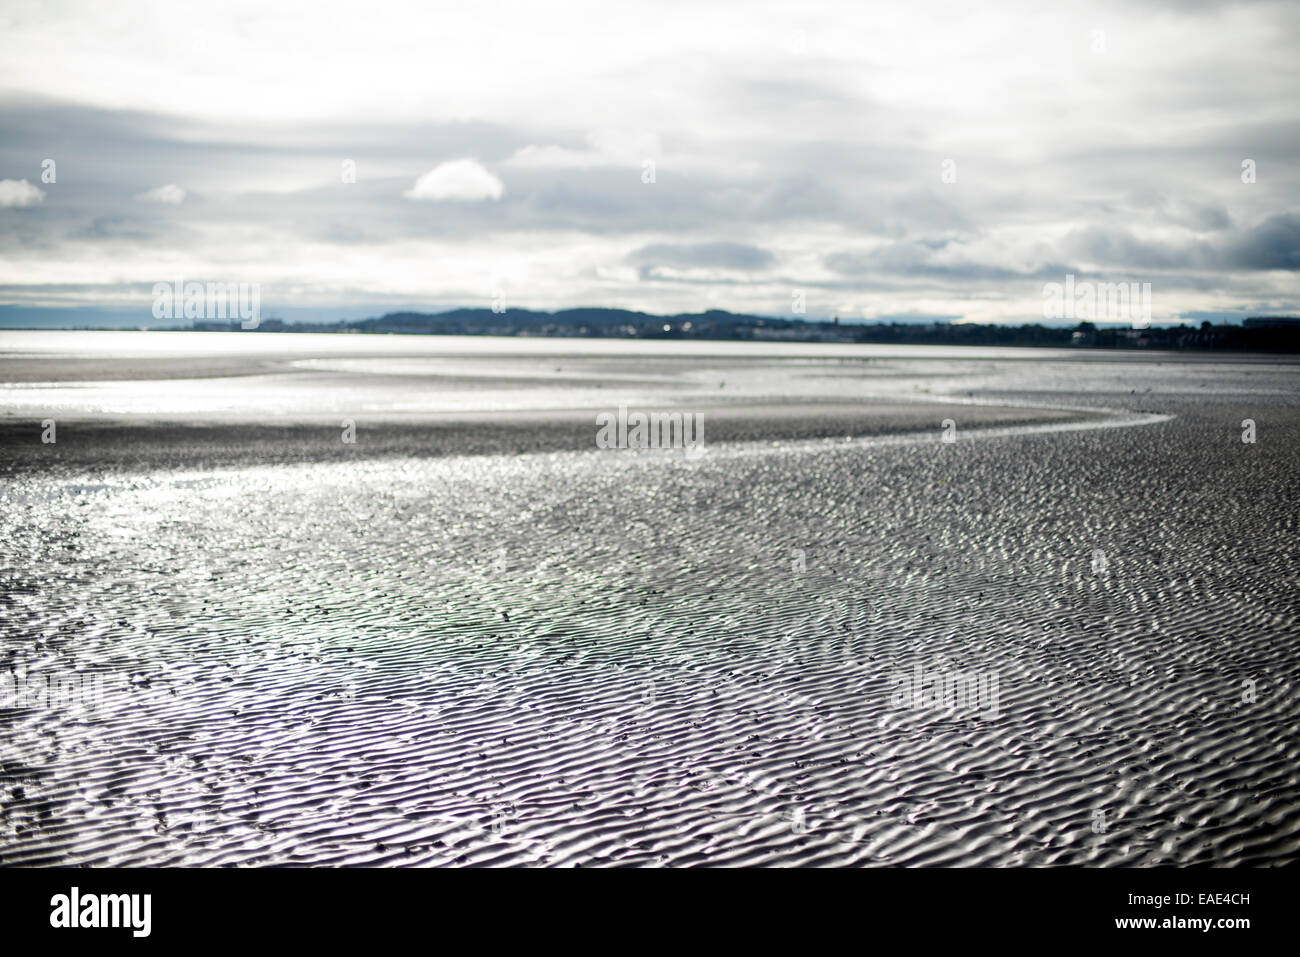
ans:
(620, 659)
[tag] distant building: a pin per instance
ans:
(1265, 322)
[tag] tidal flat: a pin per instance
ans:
(228, 635)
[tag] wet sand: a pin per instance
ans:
(124, 445)
(471, 637)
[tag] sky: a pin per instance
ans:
(872, 161)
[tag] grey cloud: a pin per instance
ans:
(119, 227)
(1273, 244)
(107, 157)
(1211, 218)
(1120, 247)
(915, 260)
(721, 255)
(101, 135)
(1204, 265)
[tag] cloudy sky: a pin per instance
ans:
(922, 159)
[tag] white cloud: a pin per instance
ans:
(462, 179)
(171, 194)
(19, 192)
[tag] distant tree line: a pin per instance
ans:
(1263, 334)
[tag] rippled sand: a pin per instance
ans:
(543, 653)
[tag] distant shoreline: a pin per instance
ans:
(1280, 334)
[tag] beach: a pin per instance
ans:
(1003, 607)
